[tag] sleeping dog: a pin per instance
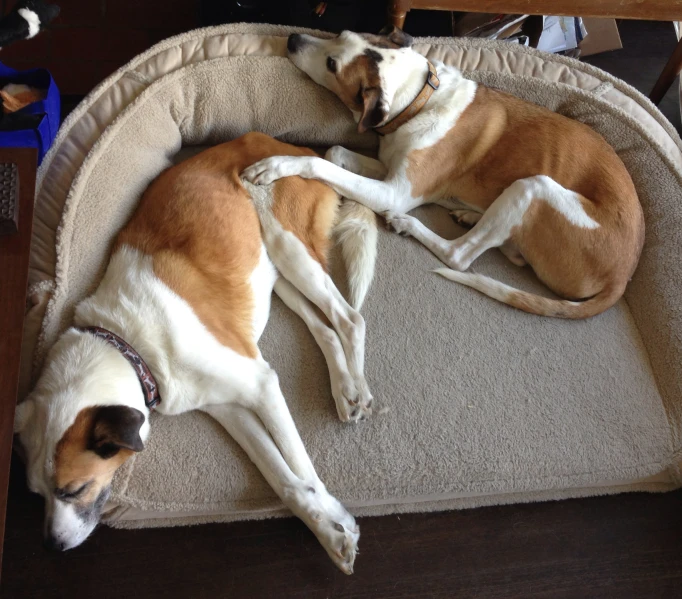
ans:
(546, 190)
(174, 325)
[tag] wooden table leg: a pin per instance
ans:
(397, 11)
(670, 71)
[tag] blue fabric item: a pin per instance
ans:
(42, 136)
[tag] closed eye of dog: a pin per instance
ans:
(66, 494)
(331, 64)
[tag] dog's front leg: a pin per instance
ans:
(379, 196)
(356, 163)
(306, 497)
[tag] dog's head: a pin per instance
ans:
(75, 429)
(365, 71)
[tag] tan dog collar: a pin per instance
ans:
(431, 85)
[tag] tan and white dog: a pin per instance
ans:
(546, 190)
(188, 286)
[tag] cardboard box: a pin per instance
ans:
(602, 36)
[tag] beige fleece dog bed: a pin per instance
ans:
(476, 403)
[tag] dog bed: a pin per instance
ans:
(476, 403)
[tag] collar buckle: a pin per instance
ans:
(432, 80)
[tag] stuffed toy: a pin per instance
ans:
(26, 20)
(17, 95)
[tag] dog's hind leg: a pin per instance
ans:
(296, 265)
(306, 497)
(495, 227)
(307, 275)
(294, 262)
(343, 386)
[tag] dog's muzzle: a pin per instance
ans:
(51, 543)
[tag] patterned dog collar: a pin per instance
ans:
(147, 381)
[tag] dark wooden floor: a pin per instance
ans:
(627, 546)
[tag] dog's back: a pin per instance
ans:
(206, 242)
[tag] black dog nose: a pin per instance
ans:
(53, 544)
(294, 42)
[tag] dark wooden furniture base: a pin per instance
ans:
(14, 254)
(9, 198)
(650, 10)
(667, 77)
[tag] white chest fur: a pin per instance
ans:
(190, 365)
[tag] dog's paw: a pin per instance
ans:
(346, 398)
(353, 401)
(271, 169)
(466, 218)
(400, 223)
(334, 527)
(337, 155)
(365, 400)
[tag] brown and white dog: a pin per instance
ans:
(546, 190)
(188, 286)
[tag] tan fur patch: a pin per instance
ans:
(500, 139)
(202, 230)
(380, 41)
(359, 84)
(75, 465)
(308, 211)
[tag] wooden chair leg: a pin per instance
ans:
(670, 71)
(397, 11)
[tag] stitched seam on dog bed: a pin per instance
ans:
(140, 503)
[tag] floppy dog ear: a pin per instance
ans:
(397, 36)
(115, 428)
(373, 111)
(23, 414)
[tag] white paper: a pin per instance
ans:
(558, 34)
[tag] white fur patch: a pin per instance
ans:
(262, 281)
(67, 528)
(33, 21)
(191, 366)
(561, 199)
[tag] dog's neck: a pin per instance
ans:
(123, 304)
(454, 93)
(82, 372)
(411, 71)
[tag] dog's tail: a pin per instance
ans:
(356, 233)
(536, 304)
